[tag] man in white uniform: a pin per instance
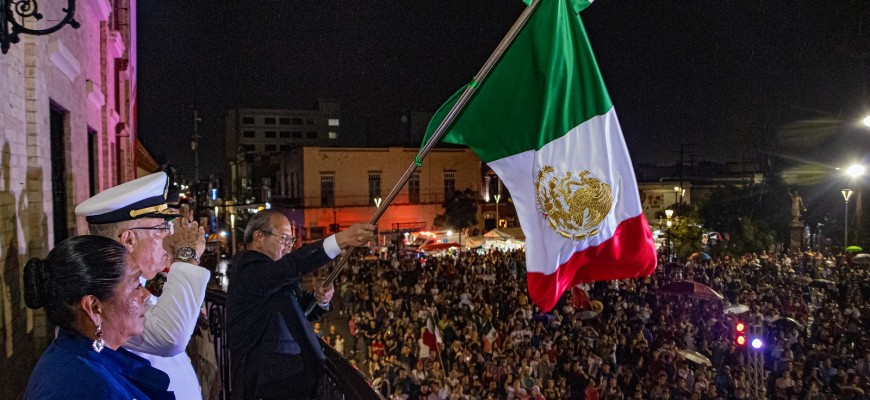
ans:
(136, 215)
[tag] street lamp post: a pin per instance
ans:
(846, 194)
(853, 171)
(194, 145)
(461, 245)
(669, 213)
(377, 237)
(233, 230)
(497, 197)
(217, 228)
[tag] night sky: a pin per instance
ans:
(740, 78)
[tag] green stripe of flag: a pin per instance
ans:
(546, 83)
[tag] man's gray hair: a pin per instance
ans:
(261, 221)
(111, 230)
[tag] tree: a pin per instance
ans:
(756, 216)
(460, 211)
(751, 236)
(685, 237)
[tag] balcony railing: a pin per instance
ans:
(340, 380)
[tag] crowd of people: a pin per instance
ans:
(451, 326)
(461, 326)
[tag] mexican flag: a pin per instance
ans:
(432, 335)
(489, 332)
(489, 337)
(544, 122)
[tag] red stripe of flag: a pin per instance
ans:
(629, 253)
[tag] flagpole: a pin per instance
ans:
(436, 136)
(438, 348)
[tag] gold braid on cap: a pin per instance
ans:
(148, 210)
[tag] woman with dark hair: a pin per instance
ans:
(90, 290)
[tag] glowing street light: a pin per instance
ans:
(855, 170)
(867, 120)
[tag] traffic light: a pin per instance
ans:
(740, 333)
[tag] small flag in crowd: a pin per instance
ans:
(432, 335)
(580, 299)
(489, 337)
(544, 122)
(489, 332)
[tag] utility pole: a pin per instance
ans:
(682, 174)
(194, 145)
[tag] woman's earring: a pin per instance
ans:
(99, 343)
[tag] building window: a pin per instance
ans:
(297, 121)
(58, 124)
(414, 189)
(284, 135)
(271, 147)
(269, 121)
(493, 187)
(333, 135)
(297, 135)
(294, 185)
(327, 190)
(249, 148)
(489, 222)
(285, 147)
(284, 121)
(249, 134)
(309, 121)
(311, 135)
(333, 122)
(449, 184)
(93, 164)
(248, 120)
(374, 185)
(271, 134)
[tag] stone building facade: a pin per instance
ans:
(67, 130)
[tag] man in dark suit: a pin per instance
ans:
(274, 353)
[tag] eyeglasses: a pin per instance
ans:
(283, 239)
(166, 226)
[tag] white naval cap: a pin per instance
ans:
(139, 198)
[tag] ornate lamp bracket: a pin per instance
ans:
(13, 13)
